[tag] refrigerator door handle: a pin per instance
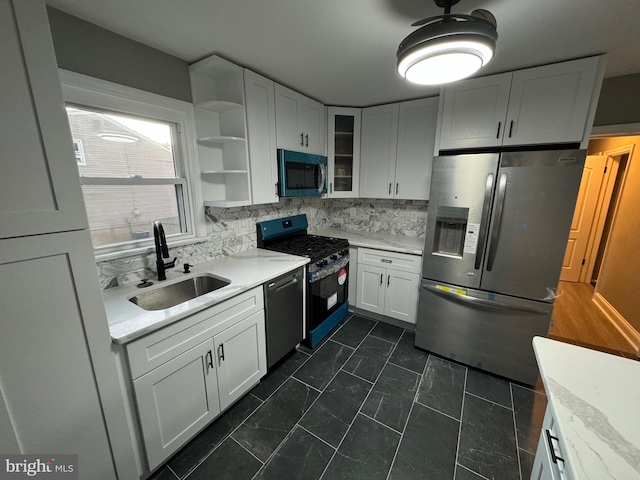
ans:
(493, 246)
(484, 302)
(484, 220)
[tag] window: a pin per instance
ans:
(134, 163)
(77, 147)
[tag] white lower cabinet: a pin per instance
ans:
(549, 463)
(240, 351)
(176, 400)
(388, 283)
(185, 374)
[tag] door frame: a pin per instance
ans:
(602, 208)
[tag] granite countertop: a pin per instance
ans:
(245, 270)
(594, 400)
(381, 241)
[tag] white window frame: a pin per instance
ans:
(90, 92)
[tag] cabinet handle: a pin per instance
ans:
(397, 184)
(511, 129)
(554, 457)
(302, 139)
(307, 140)
(385, 260)
(330, 187)
(277, 195)
(221, 353)
(389, 189)
(388, 280)
(498, 132)
(210, 360)
(381, 277)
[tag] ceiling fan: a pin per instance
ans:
(447, 47)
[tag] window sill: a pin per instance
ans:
(147, 249)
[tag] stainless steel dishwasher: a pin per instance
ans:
(283, 310)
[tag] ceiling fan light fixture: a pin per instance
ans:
(448, 48)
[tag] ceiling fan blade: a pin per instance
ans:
(485, 15)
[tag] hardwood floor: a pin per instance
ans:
(576, 319)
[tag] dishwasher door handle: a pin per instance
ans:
(282, 286)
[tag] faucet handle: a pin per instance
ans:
(171, 264)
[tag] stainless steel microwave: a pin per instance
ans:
(301, 174)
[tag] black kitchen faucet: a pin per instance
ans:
(161, 250)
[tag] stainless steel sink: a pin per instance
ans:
(176, 293)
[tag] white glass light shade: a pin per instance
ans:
(437, 62)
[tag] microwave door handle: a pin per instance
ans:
(484, 220)
(493, 246)
(319, 177)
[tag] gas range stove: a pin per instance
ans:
(289, 235)
(327, 272)
(320, 250)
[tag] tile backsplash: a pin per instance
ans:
(232, 230)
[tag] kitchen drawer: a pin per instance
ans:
(393, 260)
(158, 347)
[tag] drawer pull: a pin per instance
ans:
(550, 439)
(384, 260)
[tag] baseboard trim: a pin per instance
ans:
(382, 318)
(622, 325)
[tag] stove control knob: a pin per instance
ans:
(333, 257)
(344, 252)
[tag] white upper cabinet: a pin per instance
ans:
(300, 122)
(474, 112)
(37, 151)
(397, 149)
(416, 138)
(344, 152)
(378, 151)
(550, 104)
(541, 105)
(261, 131)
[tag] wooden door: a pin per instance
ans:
(241, 358)
(378, 151)
(583, 216)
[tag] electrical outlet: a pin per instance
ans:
(414, 216)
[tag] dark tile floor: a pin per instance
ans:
(367, 404)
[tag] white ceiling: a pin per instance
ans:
(342, 52)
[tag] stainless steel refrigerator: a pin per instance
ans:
(497, 230)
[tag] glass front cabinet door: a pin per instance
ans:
(344, 152)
